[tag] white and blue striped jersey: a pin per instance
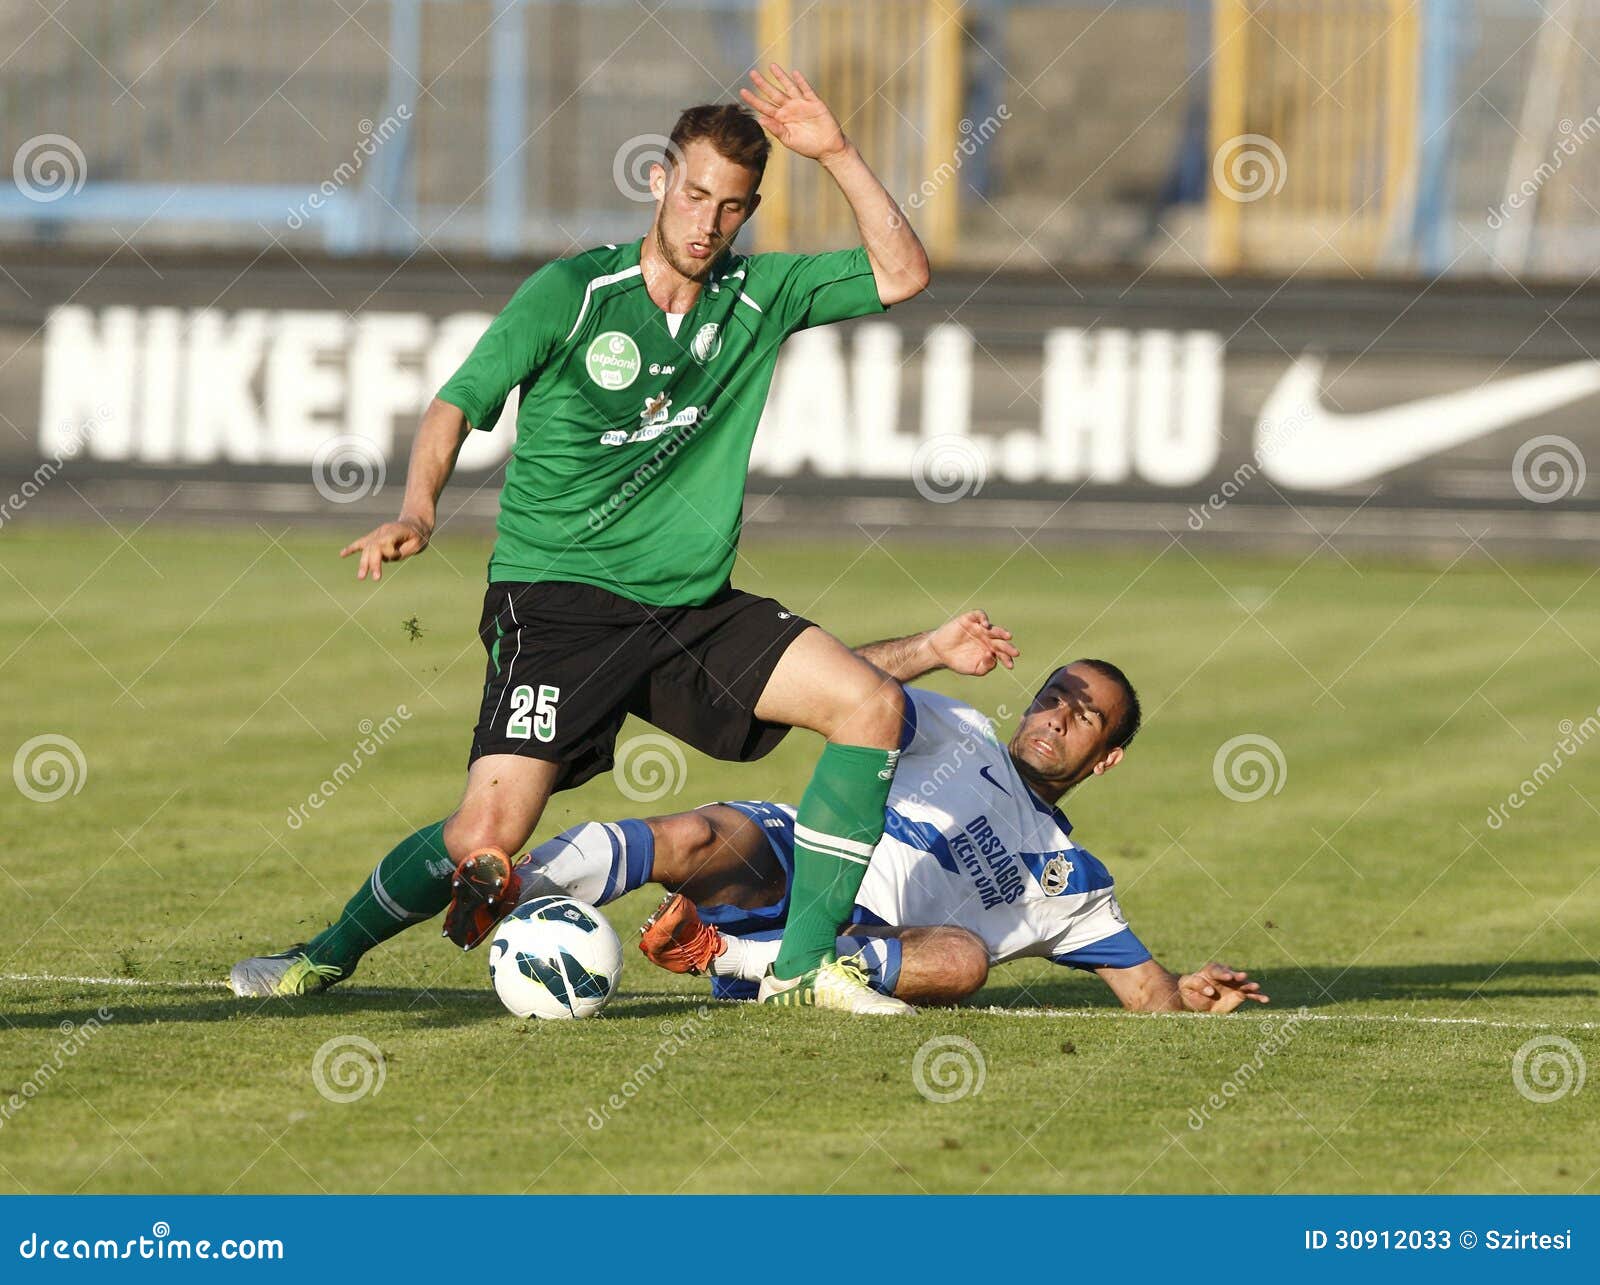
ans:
(967, 843)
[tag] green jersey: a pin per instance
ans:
(633, 443)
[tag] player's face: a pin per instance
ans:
(1062, 736)
(704, 199)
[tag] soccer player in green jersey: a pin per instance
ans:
(643, 369)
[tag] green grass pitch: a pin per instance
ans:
(212, 679)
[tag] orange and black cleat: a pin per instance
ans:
(677, 939)
(483, 892)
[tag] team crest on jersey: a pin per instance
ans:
(707, 342)
(612, 360)
(1053, 878)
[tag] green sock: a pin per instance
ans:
(411, 884)
(839, 823)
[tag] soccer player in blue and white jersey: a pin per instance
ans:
(977, 865)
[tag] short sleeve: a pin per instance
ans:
(515, 346)
(1100, 937)
(820, 288)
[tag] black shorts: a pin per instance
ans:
(568, 662)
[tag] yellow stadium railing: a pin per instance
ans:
(891, 71)
(1312, 129)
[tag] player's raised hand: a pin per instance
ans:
(1216, 988)
(971, 644)
(789, 109)
(388, 543)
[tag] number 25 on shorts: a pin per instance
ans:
(542, 726)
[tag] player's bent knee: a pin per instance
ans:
(683, 839)
(874, 713)
(466, 833)
(968, 960)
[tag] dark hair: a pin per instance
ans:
(731, 129)
(1127, 727)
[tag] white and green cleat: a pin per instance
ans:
(839, 984)
(287, 974)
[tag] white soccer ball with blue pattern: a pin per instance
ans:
(555, 957)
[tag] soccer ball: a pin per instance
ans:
(555, 957)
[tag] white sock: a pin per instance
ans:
(595, 862)
(745, 957)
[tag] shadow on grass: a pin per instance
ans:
(1324, 986)
(435, 1008)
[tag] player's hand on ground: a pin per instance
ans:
(388, 543)
(789, 109)
(971, 644)
(1216, 988)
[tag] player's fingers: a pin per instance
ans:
(770, 97)
(350, 548)
(805, 85)
(1260, 997)
(782, 77)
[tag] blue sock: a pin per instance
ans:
(880, 956)
(595, 862)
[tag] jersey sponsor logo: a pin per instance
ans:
(655, 419)
(656, 368)
(994, 872)
(1054, 877)
(1302, 444)
(984, 773)
(612, 360)
(707, 342)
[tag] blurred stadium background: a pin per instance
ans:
(1177, 241)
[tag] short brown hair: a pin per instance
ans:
(731, 129)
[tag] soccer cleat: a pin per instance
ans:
(677, 939)
(482, 893)
(287, 974)
(839, 984)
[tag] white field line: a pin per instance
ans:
(1402, 1019)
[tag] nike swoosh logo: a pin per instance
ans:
(984, 773)
(1301, 444)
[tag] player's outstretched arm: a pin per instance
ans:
(1213, 988)
(433, 458)
(968, 644)
(789, 109)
